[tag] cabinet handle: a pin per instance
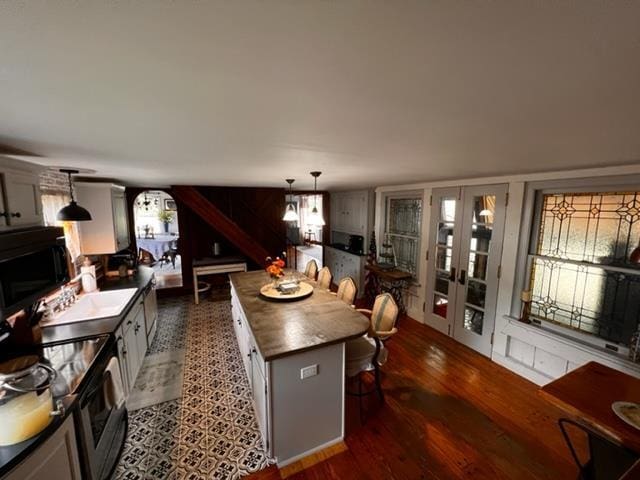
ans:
(463, 277)
(16, 215)
(4, 214)
(452, 275)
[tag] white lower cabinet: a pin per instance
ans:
(132, 345)
(254, 366)
(57, 457)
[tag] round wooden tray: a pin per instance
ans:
(268, 291)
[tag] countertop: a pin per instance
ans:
(100, 326)
(287, 328)
(345, 249)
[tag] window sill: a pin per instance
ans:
(515, 328)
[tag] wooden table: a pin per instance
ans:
(393, 281)
(586, 395)
(215, 265)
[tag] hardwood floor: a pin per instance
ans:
(449, 413)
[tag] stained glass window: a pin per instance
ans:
(581, 275)
(404, 219)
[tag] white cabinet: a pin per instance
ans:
(254, 365)
(344, 264)
(57, 457)
(20, 203)
(108, 231)
(132, 345)
(151, 313)
(350, 212)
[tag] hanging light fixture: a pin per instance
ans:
(290, 214)
(315, 218)
(72, 212)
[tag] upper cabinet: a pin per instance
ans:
(20, 203)
(108, 232)
(351, 212)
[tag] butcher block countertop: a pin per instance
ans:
(287, 328)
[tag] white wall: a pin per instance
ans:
(530, 351)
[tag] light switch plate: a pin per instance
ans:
(310, 371)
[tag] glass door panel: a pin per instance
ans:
(482, 224)
(443, 260)
(473, 320)
(477, 267)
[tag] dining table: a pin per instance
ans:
(158, 245)
(586, 396)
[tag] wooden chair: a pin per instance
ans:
(368, 352)
(347, 291)
(324, 278)
(311, 270)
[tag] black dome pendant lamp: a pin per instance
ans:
(72, 212)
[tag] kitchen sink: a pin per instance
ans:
(91, 306)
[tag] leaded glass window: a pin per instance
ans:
(581, 276)
(404, 220)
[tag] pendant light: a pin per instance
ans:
(290, 214)
(315, 218)
(72, 212)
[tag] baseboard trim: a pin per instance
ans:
(302, 457)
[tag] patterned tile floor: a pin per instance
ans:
(211, 432)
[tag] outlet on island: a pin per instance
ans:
(310, 371)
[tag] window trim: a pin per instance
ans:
(529, 224)
(409, 194)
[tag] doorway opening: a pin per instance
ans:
(158, 237)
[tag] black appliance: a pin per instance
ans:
(101, 425)
(356, 244)
(33, 263)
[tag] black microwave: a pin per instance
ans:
(33, 263)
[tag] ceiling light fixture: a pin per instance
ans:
(290, 214)
(72, 212)
(315, 218)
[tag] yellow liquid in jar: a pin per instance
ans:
(24, 416)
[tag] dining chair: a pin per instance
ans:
(347, 291)
(324, 278)
(607, 460)
(368, 353)
(311, 270)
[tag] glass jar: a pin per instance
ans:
(26, 402)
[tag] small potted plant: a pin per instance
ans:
(166, 217)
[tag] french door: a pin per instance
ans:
(465, 248)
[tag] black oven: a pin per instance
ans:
(101, 424)
(33, 263)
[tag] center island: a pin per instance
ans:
(294, 356)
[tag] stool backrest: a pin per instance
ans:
(384, 313)
(324, 278)
(347, 290)
(311, 269)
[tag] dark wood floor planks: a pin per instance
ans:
(449, 413)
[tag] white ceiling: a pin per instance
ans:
(370, 92)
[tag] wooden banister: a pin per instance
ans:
(211, 214)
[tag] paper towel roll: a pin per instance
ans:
(89, 283)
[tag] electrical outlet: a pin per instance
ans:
(310, 371)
